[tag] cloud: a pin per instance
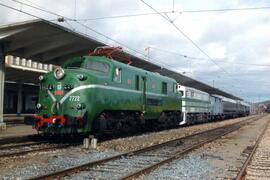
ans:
(233, 37)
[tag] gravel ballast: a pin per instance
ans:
(220, 159)
(35, 164)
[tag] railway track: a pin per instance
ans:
(4, 147)
(38, 149)
(257, 168)
(22, 145)
(133, 164)
(20, 152)
(19, 139)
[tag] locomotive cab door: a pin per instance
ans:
(144, 92)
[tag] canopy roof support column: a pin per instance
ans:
(19, 102)
(2, 84)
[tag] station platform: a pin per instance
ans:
(18, 130)
(15, 127)
(11, 119)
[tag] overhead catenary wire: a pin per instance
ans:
(66, 18)
(227, 9)
(75, 9)
(37, 7)
(186, 56)
(19, 10)
(87, 27)
(204, 59)
(78, 23)
(33, 3)
(186, 36)
(172, 12)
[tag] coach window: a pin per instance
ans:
(164, 88)
(170, 87)
(98, 66)
(188, 93)
(117, 75)
(175, 87)
(182, 93)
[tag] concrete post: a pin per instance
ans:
(19, 102)
(90, 142)
(2, 84)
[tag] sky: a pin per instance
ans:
(235, 44)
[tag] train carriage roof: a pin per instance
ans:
(47, 42)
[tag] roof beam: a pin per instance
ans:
(5, 34)
(48, 45)
(27, 41)
(74, 54)
(50, 56)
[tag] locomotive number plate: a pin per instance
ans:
(74, 98)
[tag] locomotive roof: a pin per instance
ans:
(48, 42)
(193, 89)
(141, 70)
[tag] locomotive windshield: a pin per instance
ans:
(98, 66)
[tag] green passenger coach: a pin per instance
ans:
(93, 94)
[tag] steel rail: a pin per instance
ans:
(74, 169)
(242, 171)
(21, 145)
(20, 153)
(19, 139)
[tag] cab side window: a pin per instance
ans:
(117, 75)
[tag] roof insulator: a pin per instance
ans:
(60, 19)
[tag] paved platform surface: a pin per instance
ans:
(18, 130)
(15, 119)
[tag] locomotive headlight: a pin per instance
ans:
(54, 120)
(81, 77)
(39, 106)
(41, 78)
(59, 73)
(80, 106)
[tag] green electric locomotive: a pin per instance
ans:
(95, 94)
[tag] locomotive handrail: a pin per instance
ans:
(109, 52)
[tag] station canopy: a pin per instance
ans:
(50, 43)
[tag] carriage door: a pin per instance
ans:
(144, 91)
